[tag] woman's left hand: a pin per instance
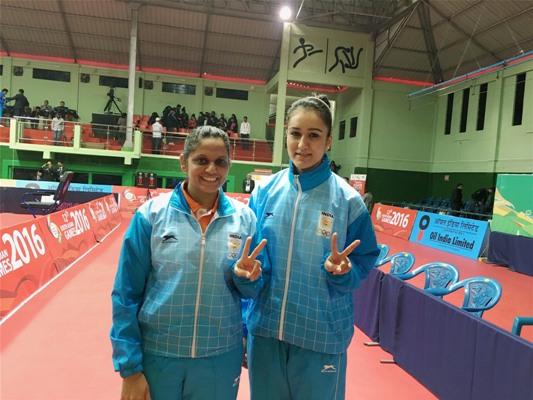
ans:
(338, 263)
(247, 266)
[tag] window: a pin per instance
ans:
(113, 81)
(80, 177)
(25, 173)
(482, 106)
(179, 88)
(51, 75)
(342, 128)
(146, 84)
(107, 179)
(449, 112)
(232, 94)
(518, 109)
(353, 127)
(464, 110)
(1, 70)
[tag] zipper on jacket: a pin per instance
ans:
(198, 290)
(289, 261)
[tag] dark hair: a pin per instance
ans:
(319, 103)
(204, 132)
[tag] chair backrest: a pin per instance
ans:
(401, 263)
(383, 252)
(62, 188)
(519, 322)
(439, 277)
(481, 294)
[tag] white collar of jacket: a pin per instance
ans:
(311, 179)
(177, 200)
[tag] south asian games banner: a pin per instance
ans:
(451, 234)
(393, 221)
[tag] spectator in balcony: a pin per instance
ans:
(157, 136)
(193, 123)
(222, 123)
(152, 118)
(58, 170)
(456, 200)
(61, 108)
(58, 126)
(244, 132)
(121, 128)
(212, 120)
(3, 94)
(21, 102)
(248, 184)
(184, 117)
(37, 119)
(46, 109)
(233, 125)
(46, 172)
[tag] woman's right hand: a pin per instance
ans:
(135, 387)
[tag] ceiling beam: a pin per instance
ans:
(461, 30)
(397, 17)
(204, 44)
(67, 29)
(429, 39)
(503, 21)
(474, 59)
(391, 40)
(457, 13)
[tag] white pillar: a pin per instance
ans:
(134, 8)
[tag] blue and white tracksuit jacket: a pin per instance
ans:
(301, 303)
(175, 293)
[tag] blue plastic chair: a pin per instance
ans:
(401, 263)
(519, 322)
(439, 277)
(383, 252)
(481, 294)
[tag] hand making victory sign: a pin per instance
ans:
(247, 266)
(338, 263)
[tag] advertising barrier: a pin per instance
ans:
(69, 233)
(455, 235)
(393, 221)
(105, 215)
(26, 263)
(358, 182)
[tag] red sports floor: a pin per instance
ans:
(56, 346)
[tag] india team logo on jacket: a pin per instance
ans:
(234, 245)
(325, 224)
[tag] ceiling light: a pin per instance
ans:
(285, 13)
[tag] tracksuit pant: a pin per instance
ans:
(282, 371)
(208, 378)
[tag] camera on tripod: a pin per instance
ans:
(112, 101)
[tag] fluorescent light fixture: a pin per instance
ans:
(285, 13)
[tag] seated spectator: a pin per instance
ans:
(58, 170)
(46, 172)
(61, 108)
(193, 123)
(233, 125)
(222, 123)
(46, 110)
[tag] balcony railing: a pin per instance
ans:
(35, 134)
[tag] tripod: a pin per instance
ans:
(111, 101)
